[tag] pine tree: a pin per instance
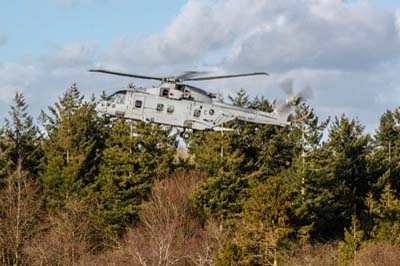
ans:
(264, 228)
(307, 166)
(383, 165)
(72, 147)
(135, 155)
(353, 237)
(19, 140)
(338, 187)
(227, 160)
(386, 217)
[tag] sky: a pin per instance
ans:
(347, 51)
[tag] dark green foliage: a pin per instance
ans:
(264, 228)
(229, 159)
(340, 182)
(135, 154)
(384, 216)
(223, 196)
(19, 140)
(385, 158)
(72, 147)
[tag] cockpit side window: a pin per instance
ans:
(118, 97)
(121, 98)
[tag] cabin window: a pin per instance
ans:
(164, 92)
(211, 112)
(170, 109)
(160, 107)
(138, 104)
(197, 113)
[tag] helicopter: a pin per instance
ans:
(178, 104)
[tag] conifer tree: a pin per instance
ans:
(265, 226)
(353, 237)
(72, 147)
(342, 182)
(227, 159)
(384, 162)
(386, 217)
(307, 166)
(135, 154)
(19, 140)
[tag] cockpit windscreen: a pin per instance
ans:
(118, 97)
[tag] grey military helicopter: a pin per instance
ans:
(181, 105)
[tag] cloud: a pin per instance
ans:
(276, 35)
(44, 79)
(3, 40)
(73, 55)
(348, 52)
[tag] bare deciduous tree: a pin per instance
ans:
(65, 237)
(171, 231)
(18, 211)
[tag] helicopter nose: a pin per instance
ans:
(101, 107)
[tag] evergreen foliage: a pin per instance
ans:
(72, 147)
(135, 154)
(339, 186)
(262, 187)
(386, 213)
(264, 228)
(352, 241)
(19, 140)
(386, 155)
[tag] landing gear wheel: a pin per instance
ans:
(185, 135)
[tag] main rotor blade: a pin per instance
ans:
(124, 74)
(190, 74)
(228, 76)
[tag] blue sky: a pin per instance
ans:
(34, 27)
(348, 51)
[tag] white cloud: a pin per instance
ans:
(348, 52)
(72, 55)
(274, 35)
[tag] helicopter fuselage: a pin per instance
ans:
(185, 107)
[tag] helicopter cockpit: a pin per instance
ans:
(117, 98)
(113, 104)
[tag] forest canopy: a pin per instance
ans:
(79, 188)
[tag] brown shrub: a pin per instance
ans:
(313, 254)
(378, 254)
(170, 232)
(65, 236)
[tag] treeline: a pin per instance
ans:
(79, 188)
